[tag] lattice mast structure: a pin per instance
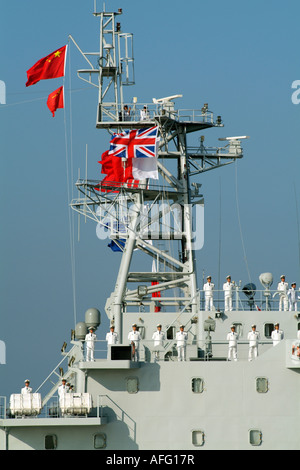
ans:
(155, 211)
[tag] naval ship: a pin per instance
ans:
(138, 393)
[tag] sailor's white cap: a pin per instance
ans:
(282, 275)
(134, 324)
(26, 381)
(276, 324)
(159, 324)
(208, 277)
(181, 326)
(232, 326)
(253, 326)
(228, 276)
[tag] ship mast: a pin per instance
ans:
(151, 213)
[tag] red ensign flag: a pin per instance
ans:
(51, 66)
(116, 174)
(56, 100)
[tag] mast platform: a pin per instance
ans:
(192, 120)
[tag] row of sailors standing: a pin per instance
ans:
(63, 388)
(277, 335)
(287, 297)
(253, 338)
(182, 337)
(91, 338)
(159, 338)
(228, 288)
(125, 115)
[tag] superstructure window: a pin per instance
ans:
(50, 442)
(171, 331)
(269, 327)
(141, 329)
(238, 329)
(197, 385)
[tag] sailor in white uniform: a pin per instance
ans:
(209, 294)
(232, 338)
(144, 114)
(90, 339)
(112, 336)
(135, 337)
(253, 337)
(181, 339)
(292, 297)
(26, 390)
(63, 388)
(277, 335)
(159, 338)
(282, 289)
(228, 287)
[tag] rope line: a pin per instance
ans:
(239, 220)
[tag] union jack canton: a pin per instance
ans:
(137, 143)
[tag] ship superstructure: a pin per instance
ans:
(157, 401)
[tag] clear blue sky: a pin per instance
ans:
(240, 57)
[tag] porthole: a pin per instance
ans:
(255, 437)
(262, 385)
(198, 438)
(132, 384)
(99, 441)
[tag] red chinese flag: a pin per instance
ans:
(56, 100)
(51, 66)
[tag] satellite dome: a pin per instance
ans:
(80, 331)
(92, 318)
(266, 279)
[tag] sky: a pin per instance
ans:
(239, 57)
